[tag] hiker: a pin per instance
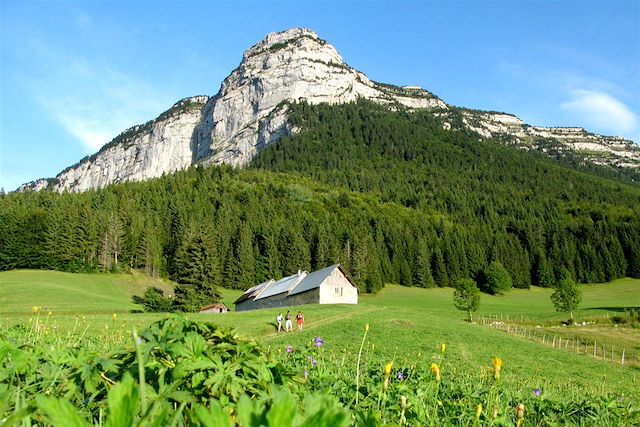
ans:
(279, 320)
(300, 320)
(287, 322)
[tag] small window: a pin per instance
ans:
(341, 291)
(337, 291)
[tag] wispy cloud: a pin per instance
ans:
(81, 86)
(599, 110)
(94, 102)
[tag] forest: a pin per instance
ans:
(390, 195)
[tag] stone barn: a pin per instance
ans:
(214, 308)
(330, 285)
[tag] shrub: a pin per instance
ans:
(496, 279)
(154, 301)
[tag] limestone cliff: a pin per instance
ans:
(250, 111)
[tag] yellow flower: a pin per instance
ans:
(35, 309)
(366, 327)
(435, 370)
(387, 369)
(443, 348)
(478, 411)
(520, 414)
(497, 367)
(387, 374)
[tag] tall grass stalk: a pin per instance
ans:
(364, 337)
(141, 378)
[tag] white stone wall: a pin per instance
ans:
(336, 289)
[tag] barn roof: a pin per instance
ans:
(252, 292)
(294, 284)
(313, 280)
(216, 304)
(281, 286)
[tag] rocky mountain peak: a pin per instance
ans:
(290, 40)
(250, 111)
(294, 65)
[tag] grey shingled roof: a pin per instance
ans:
(279, 287)
(313, 280)
(251, 292)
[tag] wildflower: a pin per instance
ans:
(138, 340)
(497, 366)
(403, 405)
(400, 376)
(520, 414)
(314, 362)
(318, 342)
(478, 411)
(387, 374)
(35, 309)
(366, 327)
(435, 370)
(443, 348)
(537, 392)
(289, 349)
(306, 374)
(113, 317)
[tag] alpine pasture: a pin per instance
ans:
(389, 348)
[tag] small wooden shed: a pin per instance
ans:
(214, 308)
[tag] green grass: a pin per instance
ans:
(407, 325)
(71, 293)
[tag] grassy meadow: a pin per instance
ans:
(406, 326)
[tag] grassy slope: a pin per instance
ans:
(407, 325)
(66, 293)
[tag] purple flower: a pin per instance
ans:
(537, 392)
(400, 376)
(313, 362)
(318, 342)
(139, 340)
(289, 349)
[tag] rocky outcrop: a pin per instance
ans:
(295, 65)
(250, 112)
(594, 148)
(163, 145)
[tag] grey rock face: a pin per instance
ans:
(250, 112)
(294, 65)
(594, 148)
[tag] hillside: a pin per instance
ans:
(249, 113)
(392, 196)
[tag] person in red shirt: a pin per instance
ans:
(300, 320)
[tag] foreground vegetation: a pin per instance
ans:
(199, 374)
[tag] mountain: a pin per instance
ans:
(251, 111)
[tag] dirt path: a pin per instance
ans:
(331, 319)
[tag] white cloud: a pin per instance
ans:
(600, 111)
(94, 103)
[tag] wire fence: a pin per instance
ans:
(574, 344)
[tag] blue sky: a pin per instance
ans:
(74, 74)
